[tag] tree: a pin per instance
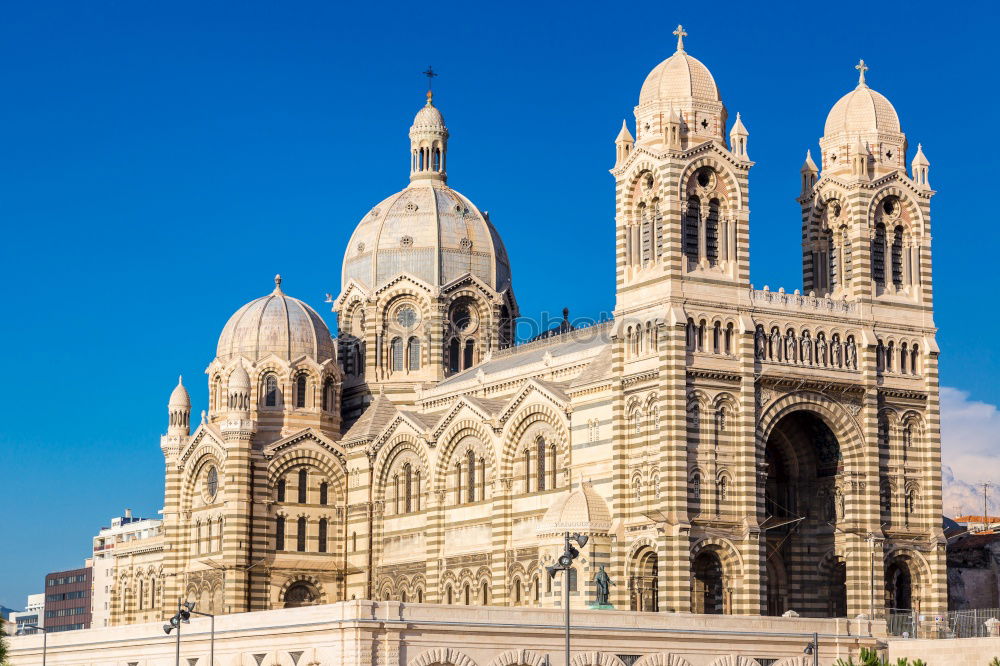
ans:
(3, 645)
(869, 657)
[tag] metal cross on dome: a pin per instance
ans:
(680, 37)
(862, 68)
(430, 74)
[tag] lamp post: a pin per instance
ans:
(813, 649)
(45, 638)
(565, 563)
(183, 616)
(184, 611)
(211, 640)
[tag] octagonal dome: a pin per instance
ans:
(429, 231)
(277, 324)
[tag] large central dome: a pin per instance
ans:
(431, 232)
(428, 230)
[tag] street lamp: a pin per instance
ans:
(565, 563)
(184, 611)
(813, 649)
(45, 637)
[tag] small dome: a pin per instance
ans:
(239, 380)
(179, 397)
(428, 117)
(679, 77)
(582, 510)
(862, 110)
(277, 324)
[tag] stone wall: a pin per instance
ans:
(397, 634)
(954, 652)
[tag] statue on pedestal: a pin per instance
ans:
(603, 584)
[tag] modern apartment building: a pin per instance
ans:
(67, 599)
(125, 533)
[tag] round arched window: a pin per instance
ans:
(212, 483)
(299, 594)
(407, 316)
(464, 318)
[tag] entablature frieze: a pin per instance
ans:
(731, 378)
(470, 560)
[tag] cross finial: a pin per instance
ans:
(862, 68)
(430, 74)
(680, 37)
(277, 282)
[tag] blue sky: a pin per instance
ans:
(160, 162)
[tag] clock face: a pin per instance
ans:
(407, 317)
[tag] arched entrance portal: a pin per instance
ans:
(899, 585)
(707, 585)
(643, 583)
(802, 506)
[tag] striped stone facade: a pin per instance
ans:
(759, 451)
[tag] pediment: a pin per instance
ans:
(402, 422)
(534, 386)
(463, 405)
(352, 289)
(302, 438)
(205, 434)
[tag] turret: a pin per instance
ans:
(179, 411)
(810, 173)
(238, 402)
(623, 144)
(428, 144)
(920, 168)
(738, 139)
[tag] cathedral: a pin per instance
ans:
(725, 449)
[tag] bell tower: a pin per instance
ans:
(681, 191)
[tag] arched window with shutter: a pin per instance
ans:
(396, 353)
(471, 462)
(540, 455)
(413, 354)
(300, 391)
(300, 541)
(408, 487)
(878, 254)
(303, 485)
(270, 390)
(324, 493)
(279, 533)
(468, 358)
(691, 224)
(454, 355)
(322, 535)
(712, 233)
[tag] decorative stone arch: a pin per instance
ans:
(631, 184)
(279, 594)
(662, 659)
(917, 567)
(735, 660)
(386, 589)
(206, 456)
(443, 657)
(449, 441)
(522, 657)
(844, 427)
(403, 447)
(729, 556)
(596, 659)
(914, 224)
(329, 466)
(731, 194)
(527, 423)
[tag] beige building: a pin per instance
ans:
(741, 451)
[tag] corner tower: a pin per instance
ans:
(426, 284)
(865, 221)
(681, 191)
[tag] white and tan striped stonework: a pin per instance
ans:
(758, 451)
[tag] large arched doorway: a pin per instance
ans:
(707, 588)
(899, 586)
(644, 582)
(802, 506)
